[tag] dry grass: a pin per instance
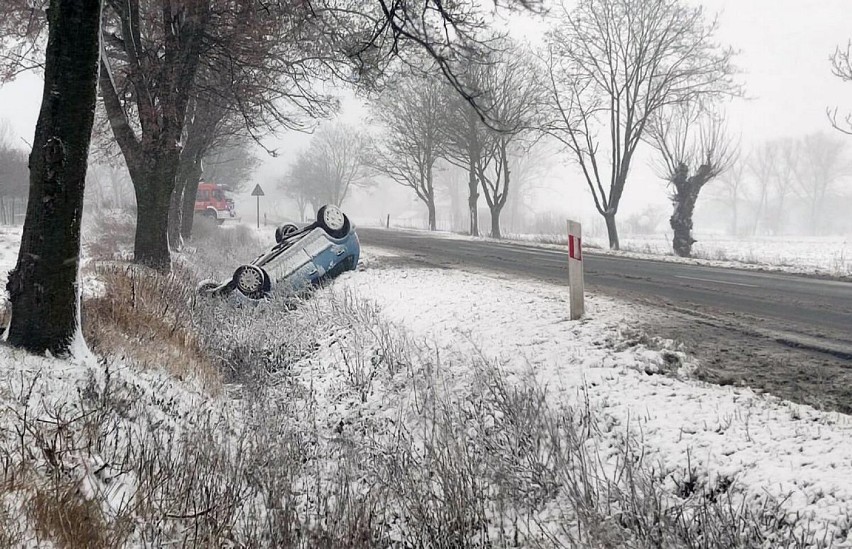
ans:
(347, 434)
(62, 515)
(147, 317)
(485, 463)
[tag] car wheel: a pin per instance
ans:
(333, 221)
(284, 231)
(252, 281)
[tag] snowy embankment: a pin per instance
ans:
(824, 256)
(726, 434)
(406, 405)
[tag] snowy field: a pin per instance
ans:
(10, 241)
(357, 380)
(767, 445)
(829, 256)
(820, 255)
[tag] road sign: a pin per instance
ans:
(575, 269)
(258, 192)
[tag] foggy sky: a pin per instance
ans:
(784, 49)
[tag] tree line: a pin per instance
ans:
(173, 77)
(612, 74)
(175, 80)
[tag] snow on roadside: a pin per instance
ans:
(829, 256)
(10, 241)
(762, 443)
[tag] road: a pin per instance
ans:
(769, 316)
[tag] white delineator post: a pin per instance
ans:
(575, 269)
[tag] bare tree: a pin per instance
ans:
(466, 137)
(511, 92)
(841, 67)
(110, 187)
(529, 169)
(412, 140)
(783, 179)
(337, 159)
(761, 165)
(43, 286)
(509, 98)
(822, 164)
(694, 149)
(300, 184)
(613, 64)
(731, 191)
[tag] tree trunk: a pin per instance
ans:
(612, 231)
(153, 198)
(473, 198)
(430, 205)
(190, 193)
(43, 287)
(681, 221)
(495, 223)
(176, 214)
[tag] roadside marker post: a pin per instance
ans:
(258, 192)
(575, 270)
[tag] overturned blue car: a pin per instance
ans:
(301, 257)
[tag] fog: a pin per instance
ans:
(783, 59)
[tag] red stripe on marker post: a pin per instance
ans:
(575, 247)
(575, 270)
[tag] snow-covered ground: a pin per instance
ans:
(826, 256)
(633, 383)
(831, 256)
(10, 241)
(762, 443)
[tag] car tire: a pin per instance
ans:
(284, 231)
(333, 221)
(252, 281)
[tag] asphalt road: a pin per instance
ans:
(800, 312)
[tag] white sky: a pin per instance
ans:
(784, 45)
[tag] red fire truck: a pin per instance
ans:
(212, 202)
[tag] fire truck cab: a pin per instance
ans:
(212, 202)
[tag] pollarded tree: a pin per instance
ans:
(694, 149)
(43, 286)
(613, 65)
(412, 140)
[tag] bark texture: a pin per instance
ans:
(43, 286)
(686, 189)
